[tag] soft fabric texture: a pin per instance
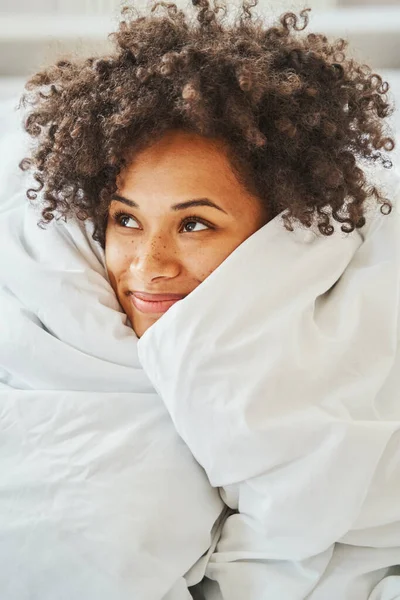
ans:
(99, 497)
(281, 372)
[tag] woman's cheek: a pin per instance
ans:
(118, 252)
(206, 261)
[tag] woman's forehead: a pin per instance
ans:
(179, 159)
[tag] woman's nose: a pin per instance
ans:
(154, 258)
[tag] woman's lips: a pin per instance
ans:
(154, 303)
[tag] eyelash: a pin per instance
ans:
(120, 214)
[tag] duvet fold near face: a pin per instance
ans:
(281, 372)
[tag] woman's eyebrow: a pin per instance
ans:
(124, 200)
(197, 202)
(179, 206)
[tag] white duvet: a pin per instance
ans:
(281, 372)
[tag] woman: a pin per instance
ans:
(259, 118)
(223, 169)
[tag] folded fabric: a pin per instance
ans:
(99, 497)
(281, 372)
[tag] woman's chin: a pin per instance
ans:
(141, 323)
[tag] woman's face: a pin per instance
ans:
(178, 213)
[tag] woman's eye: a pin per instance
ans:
(127, 221)
(190, 226)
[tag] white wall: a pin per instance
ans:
(57, 6)
(52, 28)
(103, 6)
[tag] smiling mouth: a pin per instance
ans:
(154, 303)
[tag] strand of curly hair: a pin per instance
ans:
(298, 115)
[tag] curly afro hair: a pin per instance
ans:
(298, 115)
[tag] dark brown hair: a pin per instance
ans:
(298, 115)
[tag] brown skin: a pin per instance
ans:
(158, 250)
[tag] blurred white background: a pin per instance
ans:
(36, 32)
